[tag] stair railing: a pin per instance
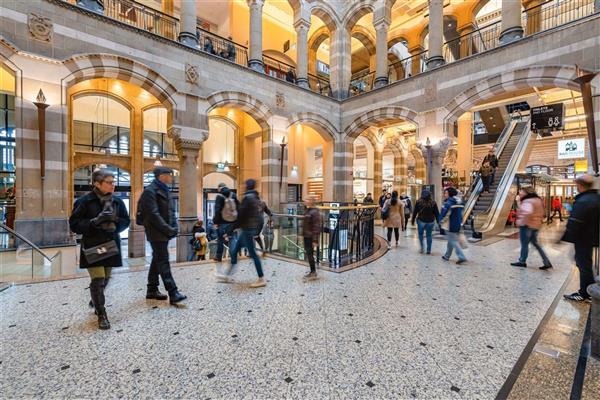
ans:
(498, 149)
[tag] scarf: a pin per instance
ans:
(106, 200)
(162, 185)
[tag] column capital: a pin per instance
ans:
(381, 24)
(255, 3)
(301, 24)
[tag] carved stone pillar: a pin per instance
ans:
(343, 157)
(511, 21)
(187, 28)
(436, 34)
(381, 66)
(302, 28)
(378, 169)
(255, 60)
(435, 155)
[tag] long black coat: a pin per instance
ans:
(582, 227)
(85, 209)
(158, 214)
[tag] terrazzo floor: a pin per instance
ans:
(404, 326)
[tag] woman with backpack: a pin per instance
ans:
(393, 208)
(427, 214)
(407, 209)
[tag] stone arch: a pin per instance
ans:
(359, 9)
(364, 36)
(325, 14)
(562, 76)
(315, 121)
(420, 165)
(89, 66)
(242, 101)
(363, 121)
(318, 37)
(478, 6)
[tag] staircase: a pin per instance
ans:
(485, 199)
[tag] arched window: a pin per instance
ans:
(220, 145)
(156, 142)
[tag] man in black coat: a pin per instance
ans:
(158, 217)
(249, 217)
(224, 217)
(583, 231)
(99, 217)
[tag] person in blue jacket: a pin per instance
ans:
(453, 209)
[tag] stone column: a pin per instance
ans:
(435, 155)
(255, 60)
(136, 241)
(378, 168)
(188, 151)
(415, 65)
(187, 23)
(343, 157)
(466, 40)
(436, 34)
(302, 28)
(340, 63)
(400, 170)
(511, 21)
(381, 66)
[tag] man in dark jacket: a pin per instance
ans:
(493, 160)
(247, 222)
(311, 229)
(158, 217)
(224, 217)
(382, 198)
(583, 231)
(99, 217)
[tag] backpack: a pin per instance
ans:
(197, 245)
(229, 211)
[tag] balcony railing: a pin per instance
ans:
(361, 82)
(407, 67)
(221, 47)
(142, 17)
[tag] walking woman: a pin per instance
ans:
(99, 217)
(395, 217)
(529, 219)
(427, 214)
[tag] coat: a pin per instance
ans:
(158, 214)
(454, 206)
(311, 224)
(531, 212)
(220, 203)
(582, 227)
(85, 209)
(395, 217)
(249, 215)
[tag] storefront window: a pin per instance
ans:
(7, 145)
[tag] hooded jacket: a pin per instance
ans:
(454, 206)
(249, 214)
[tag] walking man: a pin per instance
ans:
(311, 228)
(157, 214)
(247, 223)
(493, 160)
(582, 231)
(226, 213)
(453, 208)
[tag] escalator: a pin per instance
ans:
(486, 213)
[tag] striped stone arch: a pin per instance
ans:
(315, 121)
(318, 37)
(562, 76)
(244, 102)
(420, 165)
(365, 37)
(89, 66)
(380, 115)
(359, 9)
(325, 14)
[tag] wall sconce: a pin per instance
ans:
(40, 103)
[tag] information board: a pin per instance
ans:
(571, 148)
(547, 117)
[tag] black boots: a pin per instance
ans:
(176, 297)
(97, 294)
(154, 294)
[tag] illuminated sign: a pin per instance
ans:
(571, 148)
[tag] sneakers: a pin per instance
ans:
(519, 264)
(545, 267)
(461, 261)
(389, 246)
(445, 258)
(576, 297)
(260, 282)
(224, 279)
(311, 275)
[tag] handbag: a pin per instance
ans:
(101, 252)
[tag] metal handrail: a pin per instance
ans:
(29, 243)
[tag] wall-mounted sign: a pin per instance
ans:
(581, 165)
(322, 68)
(547, 117)
(220, 167)
(571, 148)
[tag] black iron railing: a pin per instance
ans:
(347, 235)
(361, 82)
(407, 67)
(221, 47)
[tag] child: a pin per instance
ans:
(200, 245)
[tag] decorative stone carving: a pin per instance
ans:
(430, 90)
(40, 28)
(280, 100)
(451, 158)
(174, 133)
(191, 73)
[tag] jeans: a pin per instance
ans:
(427, 228)
(246, 239)
(526, 236)
(310, 253)
(221, 231)
(160, 266)
(556, 210)
(453, 244)
(583, 259)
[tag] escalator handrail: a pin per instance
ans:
(498, 149)
(508, 176)
(28, 242)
